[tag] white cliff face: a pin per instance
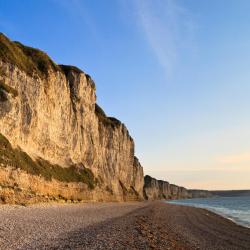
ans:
(157, 189)
(56, 118)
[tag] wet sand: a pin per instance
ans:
(137, 225)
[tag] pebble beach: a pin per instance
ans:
(132, 225)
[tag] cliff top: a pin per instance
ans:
(106, 119)
(30, 59)
(148, 179)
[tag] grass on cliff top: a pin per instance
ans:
(28, 59)
(67, 68)
(18, 159)
(31, 60)
(108, 121)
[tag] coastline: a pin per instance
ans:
(222, 211)
(227, 217)
(128, 225)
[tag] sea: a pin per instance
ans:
(233, 208)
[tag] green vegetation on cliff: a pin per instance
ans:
(108, 121)
(28, 59)
(67, 68)
(31, 60)
(16, 158)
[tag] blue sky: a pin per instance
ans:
(176, 72)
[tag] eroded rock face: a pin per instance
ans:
(54, 116)
(158, 189)
(196, 193)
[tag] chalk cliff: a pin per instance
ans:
(56, 142)
(196, 193)
(157, 189)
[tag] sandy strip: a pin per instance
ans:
(145, 225)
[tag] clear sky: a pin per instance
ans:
(176, 72)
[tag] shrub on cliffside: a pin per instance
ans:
(16, 158)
